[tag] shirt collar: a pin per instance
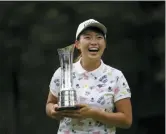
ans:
(97, 72)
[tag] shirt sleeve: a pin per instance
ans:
(122, 89)
(55, 82)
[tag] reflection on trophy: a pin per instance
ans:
(67, 96)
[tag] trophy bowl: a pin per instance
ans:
(67, 98)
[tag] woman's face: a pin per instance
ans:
(91, 44)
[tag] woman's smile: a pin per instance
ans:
(93, 50)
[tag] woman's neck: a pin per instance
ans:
(90, 65)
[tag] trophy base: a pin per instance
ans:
(68, 108)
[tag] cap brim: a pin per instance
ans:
(98, 25)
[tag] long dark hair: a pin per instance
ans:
(94, 29)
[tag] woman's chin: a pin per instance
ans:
(93, 56)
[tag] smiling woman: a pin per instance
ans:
(100, 88)
(91, 43)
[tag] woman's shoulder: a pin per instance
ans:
(57, 72)
(112, 70)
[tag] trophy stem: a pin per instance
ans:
(66, 66)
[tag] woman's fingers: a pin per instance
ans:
(81, 105)
(55, 107)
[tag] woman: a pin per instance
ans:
(100, 88)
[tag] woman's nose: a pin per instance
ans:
(94, 41)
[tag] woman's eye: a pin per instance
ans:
(99, 37)
(87, 37)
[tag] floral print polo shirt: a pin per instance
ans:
(100, 89)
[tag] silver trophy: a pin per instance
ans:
(67, 95)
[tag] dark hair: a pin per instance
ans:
(95, 29)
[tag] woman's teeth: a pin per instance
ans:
(93, 49)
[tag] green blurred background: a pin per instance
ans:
(31, 32)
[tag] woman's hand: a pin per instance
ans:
(84, 112)
(56, 114)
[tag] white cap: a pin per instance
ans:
(91, 23)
